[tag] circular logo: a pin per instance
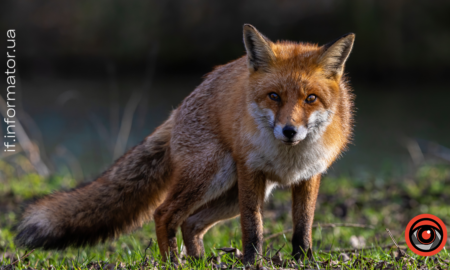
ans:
(426, 235)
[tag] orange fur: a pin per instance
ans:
(278, 116)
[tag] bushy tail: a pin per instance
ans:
(118, 201)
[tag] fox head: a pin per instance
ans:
(295, 87)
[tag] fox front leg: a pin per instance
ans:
(304, 196)
(251, 199)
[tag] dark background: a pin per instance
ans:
(97, 76)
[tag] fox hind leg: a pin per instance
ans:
(224, 207)
(193, 186)
(178, 205)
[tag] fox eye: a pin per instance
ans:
(274, 96)
(311, 98)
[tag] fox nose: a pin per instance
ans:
(289, 132)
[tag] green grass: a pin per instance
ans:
(382, 202)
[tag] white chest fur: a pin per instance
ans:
(286, 164)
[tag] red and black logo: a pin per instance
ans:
(426, 235)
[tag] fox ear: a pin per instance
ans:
(259, 53)
(335, 54)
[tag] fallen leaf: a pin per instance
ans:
(344, 257)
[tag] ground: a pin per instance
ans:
(351, 219)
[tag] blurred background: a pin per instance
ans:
(96, 77)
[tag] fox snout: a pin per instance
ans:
(289, 134)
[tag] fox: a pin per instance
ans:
(278, 116)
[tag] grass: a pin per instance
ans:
(382, 202)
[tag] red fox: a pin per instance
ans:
(278, 116)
